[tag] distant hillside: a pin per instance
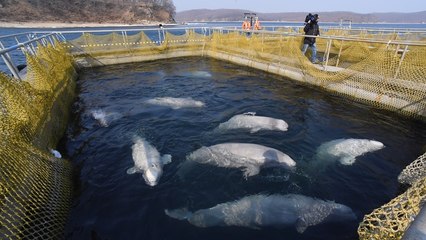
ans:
(101, 11)
(237, 15)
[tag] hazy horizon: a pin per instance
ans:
(213, 9)
(277, 6)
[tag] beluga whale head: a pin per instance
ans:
(148, 161)
(341, 212)
(153, 174)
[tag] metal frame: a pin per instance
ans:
(24, 46)
(50, 37)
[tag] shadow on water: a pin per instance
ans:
(111, 204)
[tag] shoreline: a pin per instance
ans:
(54, 25)
(76, 24)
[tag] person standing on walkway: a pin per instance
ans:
(311, 28)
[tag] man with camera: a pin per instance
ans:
(311, 28)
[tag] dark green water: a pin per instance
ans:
(110, 204)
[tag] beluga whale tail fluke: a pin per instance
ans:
(179, 214)
(148, 161)
(249, 121)
(259, 211)
(245, 156)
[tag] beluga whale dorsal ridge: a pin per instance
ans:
(253, 123)
(176, 103)
(246, 156)
(148, 161)
(346, 150)
(258, 211)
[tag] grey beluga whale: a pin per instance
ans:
(253, 123)
(258, 211)
(246, 156)
(148, 161)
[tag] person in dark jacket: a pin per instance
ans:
(311, 28)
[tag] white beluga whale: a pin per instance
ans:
(175, 103)
(258, 211)
(104, 118)
(346, 151)
(249, 157)
(253, 123)
(202, 74)
(148, 161)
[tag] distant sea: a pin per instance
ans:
(325, 24)
(6, 31)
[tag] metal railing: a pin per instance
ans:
(27, 47)
(158, 36)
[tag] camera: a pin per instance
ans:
(309, 18)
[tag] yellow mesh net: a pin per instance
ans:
(414, 172)
(35, 187)
(391, 220)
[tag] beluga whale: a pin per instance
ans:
(103, 117)
(253, 123)
(201, 74)
(246, 156)
(148, 161)
(345, 151)
(175, 103)
(258, 211)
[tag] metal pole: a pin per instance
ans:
(123, 34)
(400, 61)
(340, 53)
(397, 50)
(85, 38)
(31, 49)
(28, 37)
(51, 41)
(328, 51)
(43, 42)
(17, 41)
(62, 36)
(9, 63)
(164, 35)
(55, 38)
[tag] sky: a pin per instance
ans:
(273, 6)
